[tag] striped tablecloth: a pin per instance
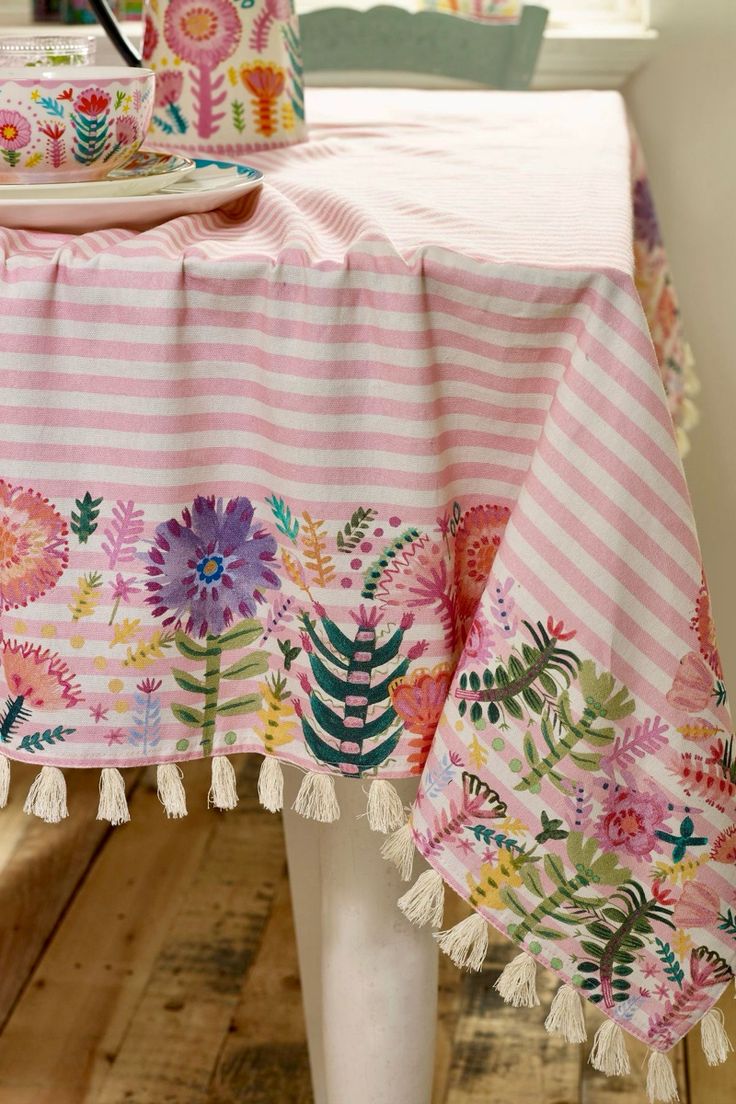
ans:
(376, 474)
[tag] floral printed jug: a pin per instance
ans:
(228, 73)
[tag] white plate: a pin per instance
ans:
(147, 171)
(210, 185)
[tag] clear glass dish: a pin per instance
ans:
(47, 50)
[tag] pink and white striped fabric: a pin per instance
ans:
(374, 474)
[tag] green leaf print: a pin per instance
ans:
(84, 518)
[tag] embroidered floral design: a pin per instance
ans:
(478, 537)
(265, 82)
(150, 38)
(418, 699)
(37, 679)
(629, 821)
(33, 547)
(15, 135)
(203, 33)
(211, 567)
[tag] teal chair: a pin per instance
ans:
(426, 43)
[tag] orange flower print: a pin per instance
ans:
(265, 82)
(724, 846)
(419, 699)
(37, 679)
(478, 537)
(702, 622)
(33, 546)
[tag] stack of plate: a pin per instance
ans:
(150, 188)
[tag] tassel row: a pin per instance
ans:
(424, 903)
(566, 1017)
(517, 984)
(385, 808)
(316, 799)
(399, 850)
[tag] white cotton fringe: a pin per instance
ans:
(466, 943)
(385, 809)
(518, 982)
(4, 780)
(424, 903)
(608, 1053)
(223, 793)
(170, 789)
(661, 1083)
(113, 804)
(566, 1017)
(399, 850)
(713, 1038)
(271, 784)
(47, 796)
(316, 799)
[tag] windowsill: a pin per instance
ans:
(600, 55)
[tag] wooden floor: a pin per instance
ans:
(155, 964)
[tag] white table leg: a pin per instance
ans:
(377, 973)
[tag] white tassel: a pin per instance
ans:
(608, 1054)
(661, 1083)
(466, 943)
(399, 850)
(47, 796)
(171, 789)
(517, 983)
(385, 810)
(316, 799)
(4, 780)
(113, 804)
(424, 903)
(223, 793)
(713, 1038)
(566, 1017)
(271, 784)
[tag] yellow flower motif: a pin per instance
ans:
(19, 626)
(232, 76)
(115, 685)
(678, 873)
(493, 877)
(681, 943)
(124, 631)
(512, 826)
(121, 706)
(33, 159)
(76, 641)
(36, 95)
(100, 663)
(48, 630)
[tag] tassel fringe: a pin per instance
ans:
(271, 784)
(385, 809)
(316, 799)
(517, 984)
(47, 796)
(171, 789)
(661, 1083)
(608, 1054)
(566, 1017)
(399, 850)
(713, 1038)
(466, 943)
(4, 780)
(424, 903)
(223, 793)
(113, 804)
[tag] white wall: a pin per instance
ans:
(684, 106)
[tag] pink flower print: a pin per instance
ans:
(15, 133)
(724, 846)
(702, 622)
(55, 145)
(149, 685)
(697, 907)
(692, 686)
(477, 541)
(418, 699)
(92, 102)
(37, 679)
(33, 546)
(122, 590)
(169, 84)
(126, 131)
(629, 821)
(212, 567)
(708, 968)
(272, 10)
(150, 37)
(202, 32)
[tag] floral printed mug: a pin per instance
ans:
(228, 73)
(71, 123)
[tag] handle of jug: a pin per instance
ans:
(107, 20)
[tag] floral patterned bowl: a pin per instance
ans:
(71, 123)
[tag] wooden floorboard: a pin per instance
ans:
(156, 964)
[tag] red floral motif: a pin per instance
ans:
(39, 676)
(33, 546)
(419, 699)
(478, 537)
(150, 38)
(702, 623)
(724, 846)
(92, 102)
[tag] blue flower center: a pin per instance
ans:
(210, 568)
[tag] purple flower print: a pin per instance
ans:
(211, 567)
(646, 227)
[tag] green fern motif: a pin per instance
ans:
(672, 967)
(211, 652)
(91, 133)
(38, 741)
(728, 922)
(622, 929)
(84, 518)
(353, 531)
(376, 569)
(296, 70)
(353, 688)
(238, 110)
(285, 522)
